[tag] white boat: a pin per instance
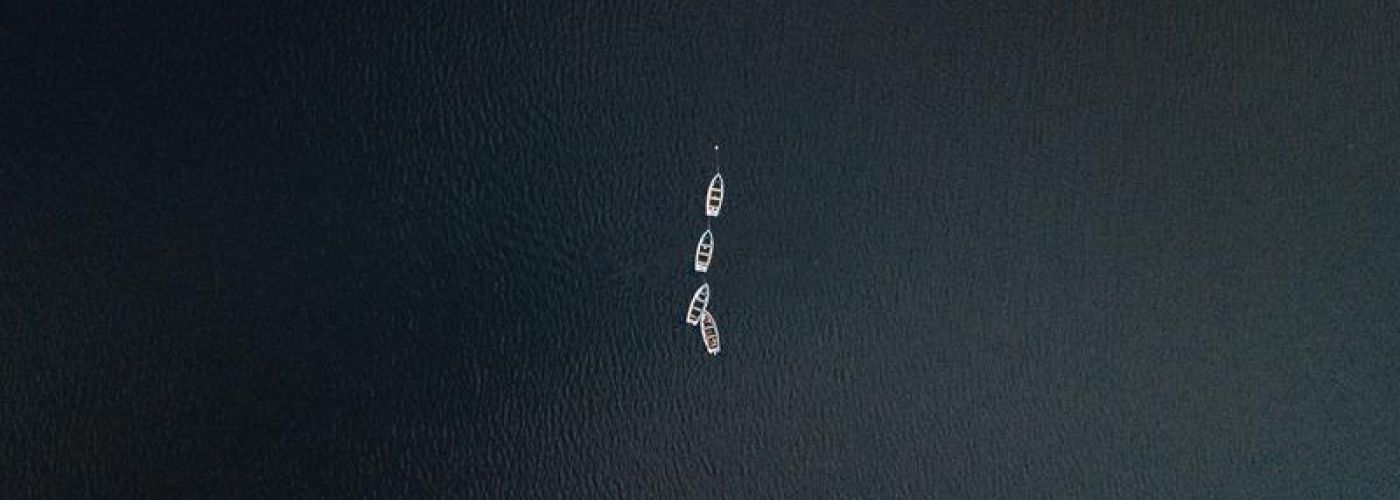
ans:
(714, 197)
(698, 302)
(704, 250)
(709, 332)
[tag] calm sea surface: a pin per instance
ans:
(442, 250)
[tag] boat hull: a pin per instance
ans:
(698, 302)
(709, 334)
(714, 196)
(704, 251)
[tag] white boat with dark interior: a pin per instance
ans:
(698, 303)
(704, 250)
(709, 332)
(714, 197)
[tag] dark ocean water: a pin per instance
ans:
(442, 250)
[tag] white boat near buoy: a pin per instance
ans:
(709, 333)
(698, 303)
(714, 197)
(704, 250)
